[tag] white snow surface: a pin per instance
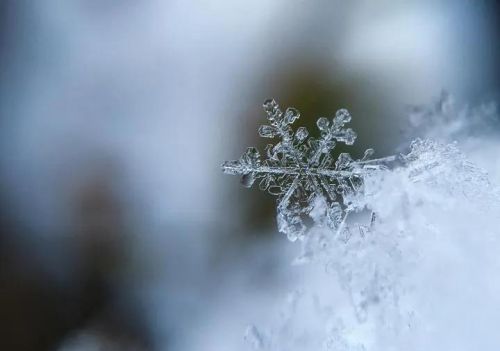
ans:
(423, 276)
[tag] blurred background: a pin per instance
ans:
(118, 229)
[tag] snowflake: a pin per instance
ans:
(302, 171)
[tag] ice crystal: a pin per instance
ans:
(302, 171)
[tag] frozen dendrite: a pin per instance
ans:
(302, 170)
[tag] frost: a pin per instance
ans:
(302, 170)
(424, 256)
(448, 120)
(254, 338)
(404, 282)
(401, 284)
